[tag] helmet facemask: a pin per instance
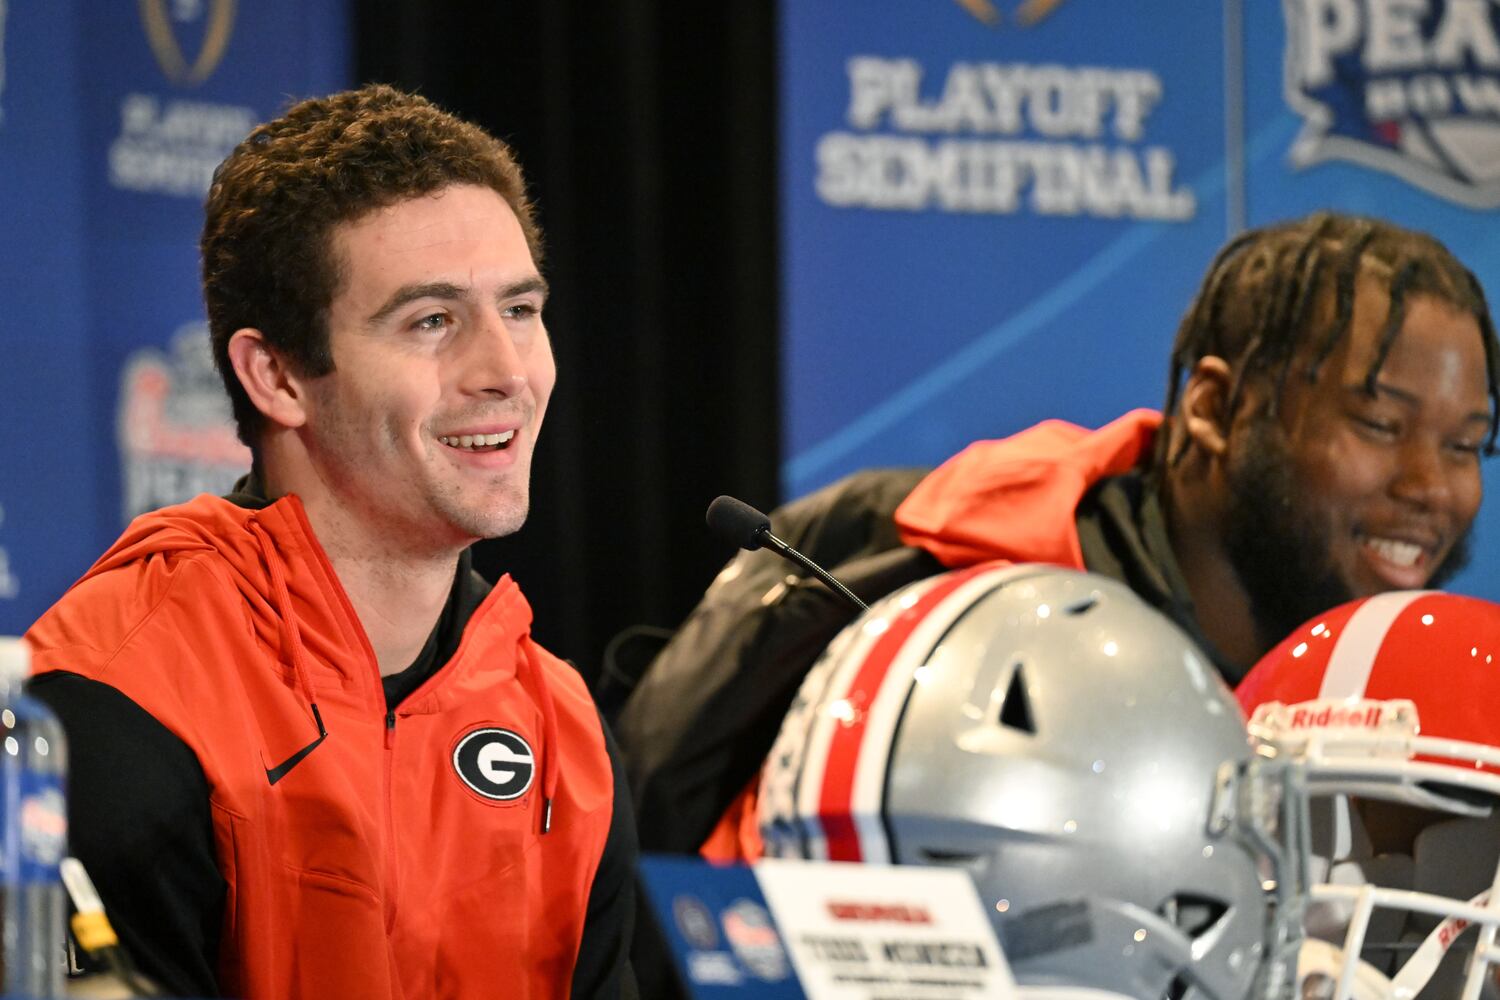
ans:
(1406, 914)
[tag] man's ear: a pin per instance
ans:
(1205, 405)
(273, 388)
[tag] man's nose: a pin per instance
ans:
(493, 365)
(1423, 477)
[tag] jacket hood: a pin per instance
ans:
(204, 524)
(1015, 498)
(293, 601)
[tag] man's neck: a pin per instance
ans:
(1220, 601)
(397, 586)
(398, 601)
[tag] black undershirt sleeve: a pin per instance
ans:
(603, 970)
(139, 819)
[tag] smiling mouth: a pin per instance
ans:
(478, 442)
(1394, 551)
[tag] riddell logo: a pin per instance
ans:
(1358, 716)
(1450, 932)
(1409, 87)
(896, 913)
(1337, 718)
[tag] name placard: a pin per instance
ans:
(827, 931)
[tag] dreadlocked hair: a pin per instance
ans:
(1254, 306)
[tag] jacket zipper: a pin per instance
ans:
(392, 878)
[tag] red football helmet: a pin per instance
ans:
(1393, 700)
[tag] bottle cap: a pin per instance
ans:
(15, 660)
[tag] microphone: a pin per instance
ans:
(743, 526)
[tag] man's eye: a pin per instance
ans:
(522, 310)
(1467, 447)
(1377, 426)
(435, 322)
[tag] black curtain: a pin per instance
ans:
(646, 130)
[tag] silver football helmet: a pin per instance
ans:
(1076, 753)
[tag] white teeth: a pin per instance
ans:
(1392, 551)
(472, 441)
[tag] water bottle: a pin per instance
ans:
(33, 835)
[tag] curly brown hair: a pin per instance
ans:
(267, 243)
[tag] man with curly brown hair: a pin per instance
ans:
(315, 754)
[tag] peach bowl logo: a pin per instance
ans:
(752, 937)
(163, 25)
(1412, 89)
(173, 427)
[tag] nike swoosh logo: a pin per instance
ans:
(275, 774)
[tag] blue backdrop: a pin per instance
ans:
(113, 114)
(996, 212)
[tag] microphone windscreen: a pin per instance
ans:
(737, 522)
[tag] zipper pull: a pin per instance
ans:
(390, 728)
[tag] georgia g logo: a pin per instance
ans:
(495, 763)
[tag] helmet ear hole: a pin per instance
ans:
(1015, 710)
(1082, 605)
(1194, 915)
(955, 859)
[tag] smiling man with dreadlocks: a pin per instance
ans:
(1330, 394)
(1332, 389)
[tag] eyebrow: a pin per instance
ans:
(448, 290)
(1409, 398)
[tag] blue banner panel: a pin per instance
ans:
(51, 434)
(139, 101)
(992, 214)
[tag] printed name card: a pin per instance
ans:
(827, 931)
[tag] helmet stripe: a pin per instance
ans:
(848, 748)
(1354, 654)
(837, 667)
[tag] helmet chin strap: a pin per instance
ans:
(1358, 980)
(1424, 962)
